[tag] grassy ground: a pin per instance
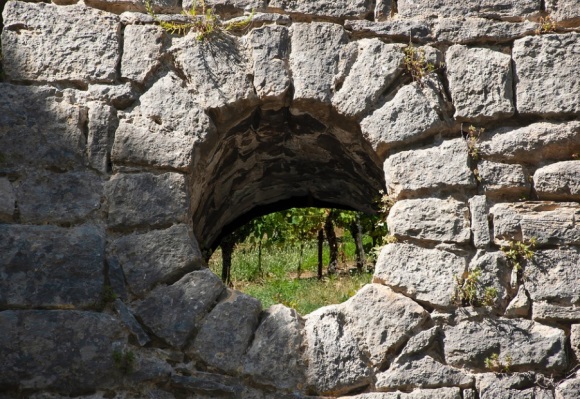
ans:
(277, 281)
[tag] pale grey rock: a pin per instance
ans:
(423, 372)
(495, 273)
(226, 332)
(119, 96)
(260, 19)
(411, 115)
(397, 29)
(131, 323)
(505, 179)
(118, 6)
(146, 199)
(565, 12)
(520, 305)
(431, 219)
(276, 355)
(376, 68)
(549, 223)
(575, 339)
(461, 30)
(550, 313)
(7, 200)
(338, 9)
(569, 389)
(313, 64)
(442, 167)
(531, 144)
(496, 9)
(64, 350)
(375, 395)
(270, 51)
(48, 266)
(159, 256)
(478, 209)
(531, 346)
(427, 275)
(101, 133)
(93, 35)
(381, 320)
(441, 393)
(335, 364)
(383, 10)
(175, 311)
(515, 385)
(230, 7)
(480, 81)
(551, 86)
(558, 181)
(142, 46)
(419, 343)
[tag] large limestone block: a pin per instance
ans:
(531, 346)
(102, 124)
(376, 67)
(227, 331)
(335, 363)
(338, 9)
(314, 62)
(497, 9)
(565, 12)
(45, 42)
(549, 223)
(175, 311)
(381, 320)
(146, 199)
(558, 181)
(47, 197)
(48, 266)
(480, 81)
(430, 219)
(477, 30)
(141, 51)
(514, 385)
(64, 350)
(569, 389)
(478, 209)
(7, 200)
(411, 115)
(38, 128)
(443, 167)
(546, 70)
(503, 179)
(427, 275)
(159, 256)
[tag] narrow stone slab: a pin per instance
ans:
(513, 385)
(460, 30)
(503, 179)
(558, 181)
(141, 51)
(478, 209)
(101, 132)
(338, 9)
(397, 29)
(575, 339)
(48, 266)
(28, 27)
(554, 313)
(496, 9)
(118, 6)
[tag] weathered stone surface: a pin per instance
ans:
(226, 332)
(383, 10)
(531, 144)
(159, 256)
(550, 313)
(549, 223)
(480, 81)
(376, 68)
(515, 385)
(335, 364)
(462, 30)
(420, 342)
(381, 320)
(118, 6)
(162, 133)
(47, 197)
(144, 198)
(69, 351)
(441, 393)
(338, 9)
(566, 12)
(207, 384)
(270, 50)
(101, 133)
(569, 389)
(575, 339)
(426, 275)
(314, 62)
(141, 51)
(530, 345)
(119, 96)
(230, 7)
(423, 372)
(28, 27)
(558, 181)
(175, 311)
(37, 128)
(47, 266)
(551, 86)
(479, 224)
(411, 115)
(7, 200)
(131, 323)
(430, 219)
(498, 178)
(495, 273)
(519, 305)
(397, 29)
(497, 9)
(442, 167)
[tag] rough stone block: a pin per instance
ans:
(63, 350)
(47, 197)
(84, 43)
(530, 345)
(397, 29)
(338, 9)
(548, 87)
(119, 96)
(146, 199)
(519, 305)
(141, 51)
(575, 339)
(496, 9)
(430, 219)
(513, 385)
(495, 273)
(101, 132)
(478, 30)
(442, 167)
(159, 256)
(554, 313)
(47, 266)
(426, 275)
(559, 181)
(7, 200)
(117, 6)
(565, 12)
(480, 81)
(479, 223)
(175, 311)
(376, 67)
(230, 7)
(383, 9)
(569, 389)
(504, 179)
(131, 323)
(227, 331)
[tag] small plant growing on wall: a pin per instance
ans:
(494, 363)
(468, 291)
(416, 64)
(546, 25)
(124, 361)
(518, 253)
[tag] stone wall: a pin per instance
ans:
(126, 152)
